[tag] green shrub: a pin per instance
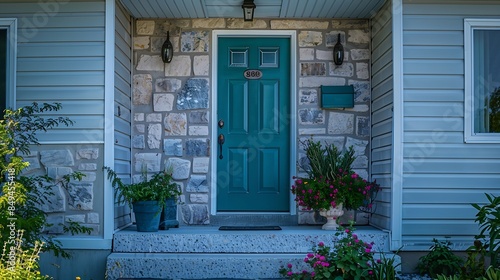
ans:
(488, 217)
(440, 260)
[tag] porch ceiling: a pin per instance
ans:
(299, 9)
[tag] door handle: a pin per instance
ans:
(221, 141)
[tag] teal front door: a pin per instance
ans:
(253, 114)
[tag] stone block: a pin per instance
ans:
(34, 164)
(194, 95)
(81, 196)
(310, 38)
(314, 81)
(87, 166)
(157, 43)
(180, 66)
(312, 131)
(210, 23)
(148, 162)
(167, 85)
(308, 96)
(58, 172)
(56, 224)
(307, 54)
(325, 55)
(51, 158)
(361, 91)
(172, 147)
(154, 136)
(155, 117)
(237, 23)
(181, 168)
(311, 116)
(362, 71)
(344, 70)
(150, 63)
(88, 176)
(198, 130)
(145, 27)
(332, 38)
(298, 24)
(55, 200)
(313, 69)
(363, 126)
(341, 123)
(141, 42)
(197, 184)
(142, 90)
(195, 214)
(138, 142)
(163, 102)
(201, 65)
(358, 145)
(197, 147)
(201, 164)
(75, 218)
(93, 218)
(195, 41)
(350, 23)
(199, 117)
(358, 36)
(198, 198)
(88, 153)
(140, 128)
(175, 124)
(360, 54)
(139, 117)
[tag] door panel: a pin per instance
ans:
(253, 161)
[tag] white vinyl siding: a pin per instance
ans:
(382, 124)
(442, 175)
(60, 58)
(122, 147)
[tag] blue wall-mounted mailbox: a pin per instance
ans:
(337, 97)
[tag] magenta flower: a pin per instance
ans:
(289, 265)
(321, 244)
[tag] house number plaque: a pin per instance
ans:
(252, 74)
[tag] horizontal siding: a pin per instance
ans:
(123, 107)
(382, 98)
(61, 59)
(442, 175)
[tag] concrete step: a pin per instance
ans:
(198, 252)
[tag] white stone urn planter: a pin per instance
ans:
(331, 216)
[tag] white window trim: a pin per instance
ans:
(10, 24)
(469, 26)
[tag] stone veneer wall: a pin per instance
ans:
(171, 102)
(82, 202)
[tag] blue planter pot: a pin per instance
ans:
(147, 215)
(169, 215)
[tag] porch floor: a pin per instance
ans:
(205, 252)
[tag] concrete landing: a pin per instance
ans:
(204, 252)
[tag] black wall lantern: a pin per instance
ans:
(167, 50)
(248, 9)
(338, 52)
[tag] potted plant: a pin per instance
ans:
(147, 197)
(331, 185)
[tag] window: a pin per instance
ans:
(482, 80)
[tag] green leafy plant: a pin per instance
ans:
(474, 265)
(22, 196)
(159, 188)
(385, 268)
(18, 263)
(440, 260)
(351, 258)
(332, 181)
(488, 217)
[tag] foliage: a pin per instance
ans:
(491, 273)
(159, 187)
(325, 161)
(440, 260)
(474, 265)
(22, 196)
(385, 268)
(331, 180)
(18, 263)
(488, 217)
(351, 258)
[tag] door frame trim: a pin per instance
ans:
(292, 34)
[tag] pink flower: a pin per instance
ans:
(325, 264)
(310, 255)
(347, 230)
(289, 273)
(289, 265)
(367, 250)
(379, 261)
(321, 244)
(306, 259)
(370, 272)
